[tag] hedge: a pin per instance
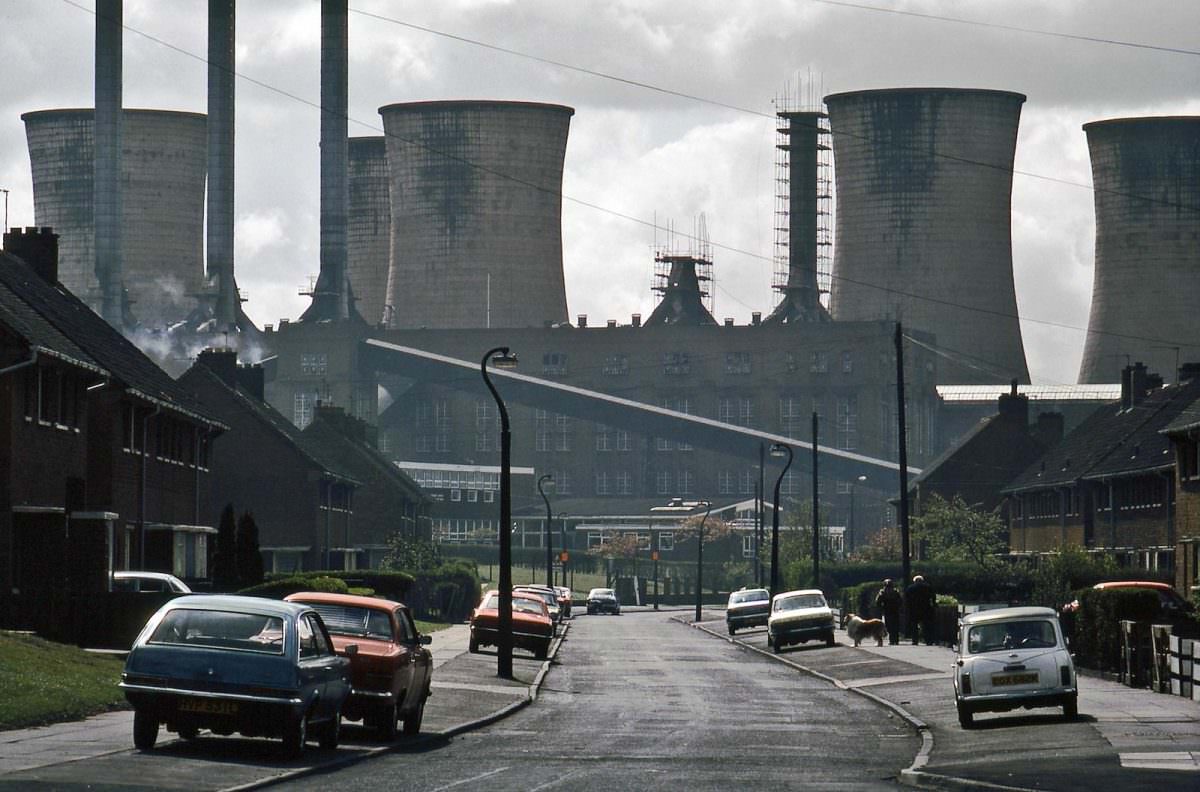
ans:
(1097, 629)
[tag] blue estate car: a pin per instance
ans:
(236, 664)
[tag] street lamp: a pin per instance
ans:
(853, 483)
(549, 550)
(679, 505)
(502, 359)
(777, 450)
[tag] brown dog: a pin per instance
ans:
(859, 629)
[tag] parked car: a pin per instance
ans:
(236, 664)
(532, 627)
(1010, 658)
(390, 674)
(1171, 602)
(747, 608)
(799, 617)
(564, 600)
(148, 583)
(603, 600)
(546, 595)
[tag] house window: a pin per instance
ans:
(676, 364)
(847, 363)
(302, 408)
(622, 438)
(554, 364)
(662, 482)
(738, 362)
(314, 364)
(748, 546)
(666, 540)
(818, 362)
(616, 365)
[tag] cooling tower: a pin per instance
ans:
(1146, 179)
(162, 217)
(368, 231)
(924, 185)
(476, 193)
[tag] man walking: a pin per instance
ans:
(920, 604)
(889, 600)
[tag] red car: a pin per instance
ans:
(532, 627)
(391, 671)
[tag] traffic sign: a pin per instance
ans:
(563, 556)
(653, 555)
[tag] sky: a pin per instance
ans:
(635, 152)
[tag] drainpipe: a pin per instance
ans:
(328, 509)
(142, 489)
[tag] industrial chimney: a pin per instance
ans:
(369, 226)
(924, 188)
(1146, 181)
(331, 297)
(222, 26)
(106, 183)
(476, 194)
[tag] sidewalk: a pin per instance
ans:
(466, 694)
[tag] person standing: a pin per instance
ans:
(920, 604)
(889, 600)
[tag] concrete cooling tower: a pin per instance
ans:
(369, 224)
(924, 185)
(162, 215)
(476, 193)
(1146, 178)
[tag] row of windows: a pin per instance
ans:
(465, 530)
(170, 439)
(666, 539)
(456, 479)
(1142, 493)
(54, 397)
(472, 496)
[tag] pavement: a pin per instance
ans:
(466, 694)
(1147, 730)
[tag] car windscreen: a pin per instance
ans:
(354, 620)
(520, 604)
(545, 597)
(601, 593)
(996, 636)
(799, 601)
(738, 597)
(248, 632)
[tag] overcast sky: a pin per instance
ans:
(633, 151)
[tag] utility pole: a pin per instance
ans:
(816, 507)
(905, 565)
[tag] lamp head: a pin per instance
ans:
(862, 478)
(779, 450)
(504, 359)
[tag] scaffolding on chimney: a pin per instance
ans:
(695, 247)
(804, 97)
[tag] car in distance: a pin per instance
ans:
(564, 600)
(532, 628)
(391, 672)
(747, 608)
(229, 664)
(799, 617)
(546, 595)
(1010, 658)
(148, 583)
(603, 600)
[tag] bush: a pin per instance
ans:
(445, 593)
(384, 584)
(1098, 622)
(280, 587)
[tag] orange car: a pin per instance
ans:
(532, 627)
(391, 671)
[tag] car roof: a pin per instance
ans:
(234, 602)
(1005, 614)
(330, 598)
(139, 575)
(797, 591)
(1146, 584)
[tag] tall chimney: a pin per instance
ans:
(222, 25)
(107, 164)
(331, 299)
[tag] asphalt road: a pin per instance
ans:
(640, 702)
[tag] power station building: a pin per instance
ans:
(1146, 177)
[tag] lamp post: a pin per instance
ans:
(562, 542)
(777, 450)
(549, 550)
(853, 487)
(502, 359)
(679, 505)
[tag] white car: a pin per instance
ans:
(1010, 658)
(149, 583)
(798, 617)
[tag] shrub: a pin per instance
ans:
(280, 587)
(1098, 622)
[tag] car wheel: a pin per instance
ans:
(412, 721)
(543, 651)
(145, 731)
(966, 718)
(774, 647)
(829, 640)
(386, 723)
(188, 732)
(1071, 707)
(331, 733)
(473, 646)
(732, 629)
(295, 735)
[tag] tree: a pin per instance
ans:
(411, 554)
(224, 563)
(954, 531)
(883, 545)
(249, 558)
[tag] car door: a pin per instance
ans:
(336, 669)
(315, 665)
(410, 668)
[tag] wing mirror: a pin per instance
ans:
(351, 650)
(425, 640)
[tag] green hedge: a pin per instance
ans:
(1097, 625)
(445, 593)
(279, 587)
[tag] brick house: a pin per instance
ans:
(1110, 485)
(104, 456)
(1184, 435)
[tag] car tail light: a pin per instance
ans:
(1065, 671)
(966, 683)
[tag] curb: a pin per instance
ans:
(424, 738)
(913, 775)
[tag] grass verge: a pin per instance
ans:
(45, 682)
(429, 627)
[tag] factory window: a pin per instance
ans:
(489, 496)
(845, 487)
(455, 495)
(676, 364)
(487, 426)
(616, 365)
(562, 482)
(847, 363)
(791, 416)
(739, 411)
(624, 483)
(738, 362)
(748, 546)
(847, 423)
(724, 482)
(677, 404)
(541, 430)
(472, 496)
(818, 362)
(602, 438)
(790, 484)
(663, 482)
(314, 364)
(746, 482)
(684, 482)
(789, 361)
(562, 433)
(441, 417)
(601, 482)
(554, 364)
(666, 540)
(622, 439)
(302, 408)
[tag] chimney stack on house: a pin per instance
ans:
(37, 247)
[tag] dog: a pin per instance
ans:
(860, 629)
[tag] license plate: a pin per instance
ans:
(208, 707)
(1000, 680)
